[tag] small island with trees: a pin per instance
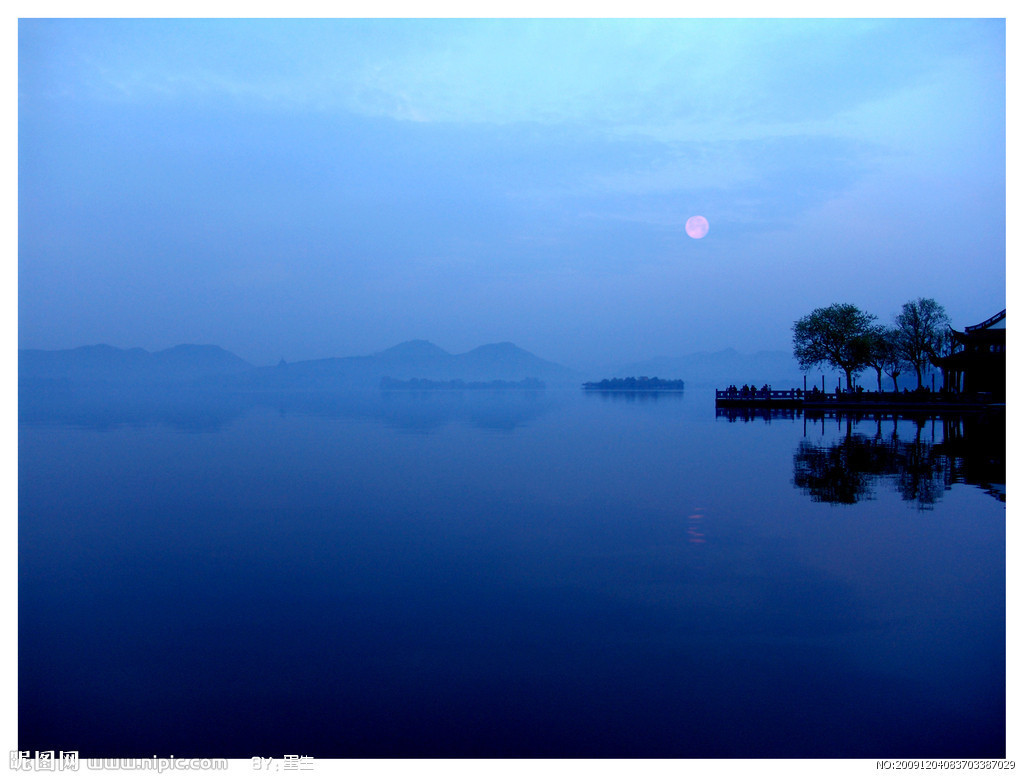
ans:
(635, 384)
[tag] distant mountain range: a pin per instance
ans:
(212, 366)
(104, 362)
(406, 361)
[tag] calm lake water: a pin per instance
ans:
(506, 574)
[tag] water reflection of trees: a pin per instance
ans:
(625, 395)
(920, 466)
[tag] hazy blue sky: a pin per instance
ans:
(324, 188)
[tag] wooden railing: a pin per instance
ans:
(865, 398)
(761, 394)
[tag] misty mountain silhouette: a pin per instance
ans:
(199, 359)
(212, 366)
(415, 349)
(486, 361)
(107, 363)
(408, 360)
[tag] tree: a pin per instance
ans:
(877, 351)
(884, 354)
(892, 360)
(922, 326)
(839, 335)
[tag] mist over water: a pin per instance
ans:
(549, 573)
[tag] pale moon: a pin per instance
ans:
(696, 227)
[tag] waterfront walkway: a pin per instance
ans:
(850, 400)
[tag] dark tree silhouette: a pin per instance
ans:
(922, 326)
(876, 351)
(846, 471)
(836, 474)
(636, 384)
(893, 362)
(839, 335)
(885, 355)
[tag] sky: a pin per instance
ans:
(307, 189)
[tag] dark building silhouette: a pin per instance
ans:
(978, 362)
